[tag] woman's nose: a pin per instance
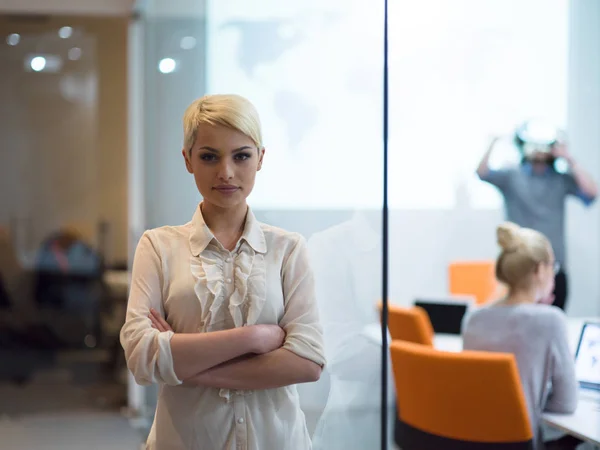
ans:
(225, 171)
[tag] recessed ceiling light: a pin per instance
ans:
(167, 65)
(74, 53)
(65, 32)
(47, 63)
(13, 39)
(38, 63)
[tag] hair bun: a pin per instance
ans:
(509, 236)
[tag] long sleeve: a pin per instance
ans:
(300, 321)
(147, 351)
(563, 397)
(499, 178)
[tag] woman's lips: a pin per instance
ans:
(226, 189)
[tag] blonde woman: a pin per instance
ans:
(222, 311)
(524, 324)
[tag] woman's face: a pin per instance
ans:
(224, 163)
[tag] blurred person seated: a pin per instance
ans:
(68, 276)
(525, 324)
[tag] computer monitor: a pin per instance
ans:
(587, 357)
(446, 314)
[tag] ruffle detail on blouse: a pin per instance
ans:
(246, 301)
(209, 288)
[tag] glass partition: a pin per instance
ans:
(460, 73)
(314, 72)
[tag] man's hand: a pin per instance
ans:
(560, 150)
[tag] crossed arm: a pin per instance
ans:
(253, 370)
(250, 357)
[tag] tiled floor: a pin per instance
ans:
(73, 406)
(68, 431)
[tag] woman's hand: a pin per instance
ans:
(158, 322)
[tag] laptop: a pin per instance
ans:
(587, 359)
(446, 315)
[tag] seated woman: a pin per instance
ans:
(523, 323)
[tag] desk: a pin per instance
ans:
(444, 342)
(584, 423)
(453, 342)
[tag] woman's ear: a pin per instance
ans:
(188, 163)
(261, 154)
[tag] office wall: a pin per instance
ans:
(64, 135)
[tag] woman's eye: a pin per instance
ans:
(208, 157)
(242, 156)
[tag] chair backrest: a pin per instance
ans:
(410, 324)
(474, 278)
(458, 400)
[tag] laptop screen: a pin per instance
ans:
(445, 315)
(587, 360)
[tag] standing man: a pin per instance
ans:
(534, 197)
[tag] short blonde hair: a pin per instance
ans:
(232, 111)
(523, 249)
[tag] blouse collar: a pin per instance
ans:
(201, 235)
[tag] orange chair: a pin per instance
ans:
(467, 400)
(474, 279)
(409, 324)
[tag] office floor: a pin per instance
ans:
(71, 406)
(69, 431)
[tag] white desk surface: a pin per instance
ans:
(584, 423)
(453, 342)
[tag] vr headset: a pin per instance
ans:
(534, 137)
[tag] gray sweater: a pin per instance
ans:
(537, 336)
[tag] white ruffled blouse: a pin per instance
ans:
(199, 286)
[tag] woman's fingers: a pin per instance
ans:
(154, 323)
(161, 324)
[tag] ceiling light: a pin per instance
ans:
(13, 39)
(167, 65)
(38, 63)
(43, 63)
(65, 32)
(74, 53)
